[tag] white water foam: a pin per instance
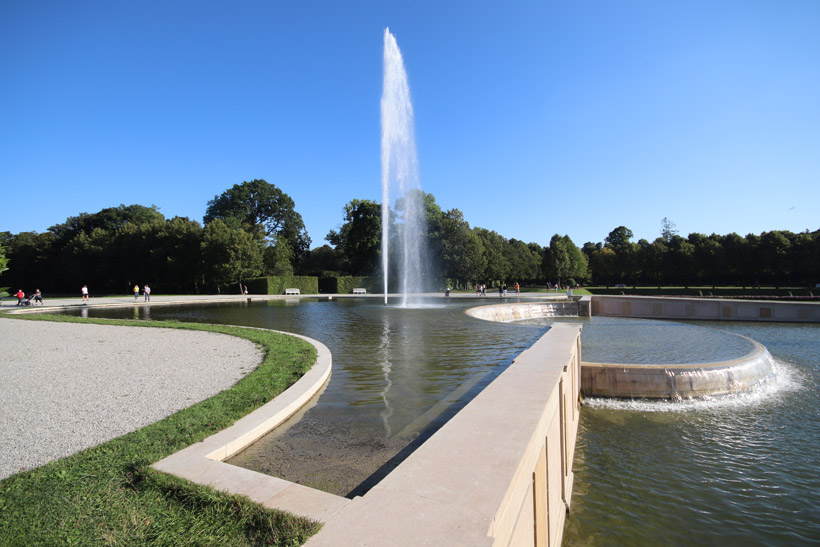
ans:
(786, 380)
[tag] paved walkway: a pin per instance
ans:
(8, 303)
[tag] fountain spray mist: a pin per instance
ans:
(400, 173)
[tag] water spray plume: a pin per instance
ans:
(400, 175)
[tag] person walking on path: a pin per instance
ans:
(84, 291)
(37, 297)
(20, 296)
(136, 291)
(147, 290)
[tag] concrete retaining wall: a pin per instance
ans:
(498, 473)
(676, 382)
(651, 307)
(504, 313)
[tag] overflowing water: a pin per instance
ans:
(740, 470)
(400, 178)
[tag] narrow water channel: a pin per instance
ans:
(398, 375)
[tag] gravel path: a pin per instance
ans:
(65, 386)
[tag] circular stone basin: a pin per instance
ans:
(651, 359)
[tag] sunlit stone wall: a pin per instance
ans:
(652, 307)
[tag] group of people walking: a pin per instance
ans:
(481, 289)
(36, 298)
(146, 291)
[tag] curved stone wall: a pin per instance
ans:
(676, 382)
(648, 381)
(504, 313)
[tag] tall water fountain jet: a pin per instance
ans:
(400, 173)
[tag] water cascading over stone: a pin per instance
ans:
(400, 179)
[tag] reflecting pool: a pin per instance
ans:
(649, 341)
(398, 375)
(738, 471)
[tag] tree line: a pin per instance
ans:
(253, 229)
(778, 257)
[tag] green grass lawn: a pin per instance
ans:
(108, 495)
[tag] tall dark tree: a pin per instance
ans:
(498, 269)
(668, 230)
(324, 261)
(260, 206)
(461, 251)
(3, 267)
(579, 267)
(557, 261)
(230, 253)
(359, 238)
(620, 241)
(109, 219)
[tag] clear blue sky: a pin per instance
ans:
(533, 118)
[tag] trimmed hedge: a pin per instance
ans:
(346, 284)
(278, 283)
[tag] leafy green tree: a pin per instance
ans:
(679, 264)
(602, 263)
(557, 261)
(653, 257)
(324, 261)
(805, 253)
(109, 219)
(359, 238)
(774, 249)
(278, 259)
(579, 267)
(524, 264)
(230, 253)
(619, 240)
(4, 262)
(737, 259)
(260, 206)
(32, 257)
(180, 244)
(461, 250)
(668, 230)
(498, 268)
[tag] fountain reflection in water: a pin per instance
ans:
(400, 174)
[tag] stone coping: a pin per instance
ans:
(203, 462)
(466, 484)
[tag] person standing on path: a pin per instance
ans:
(84, 291)
(147, 290)
(136, 291)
